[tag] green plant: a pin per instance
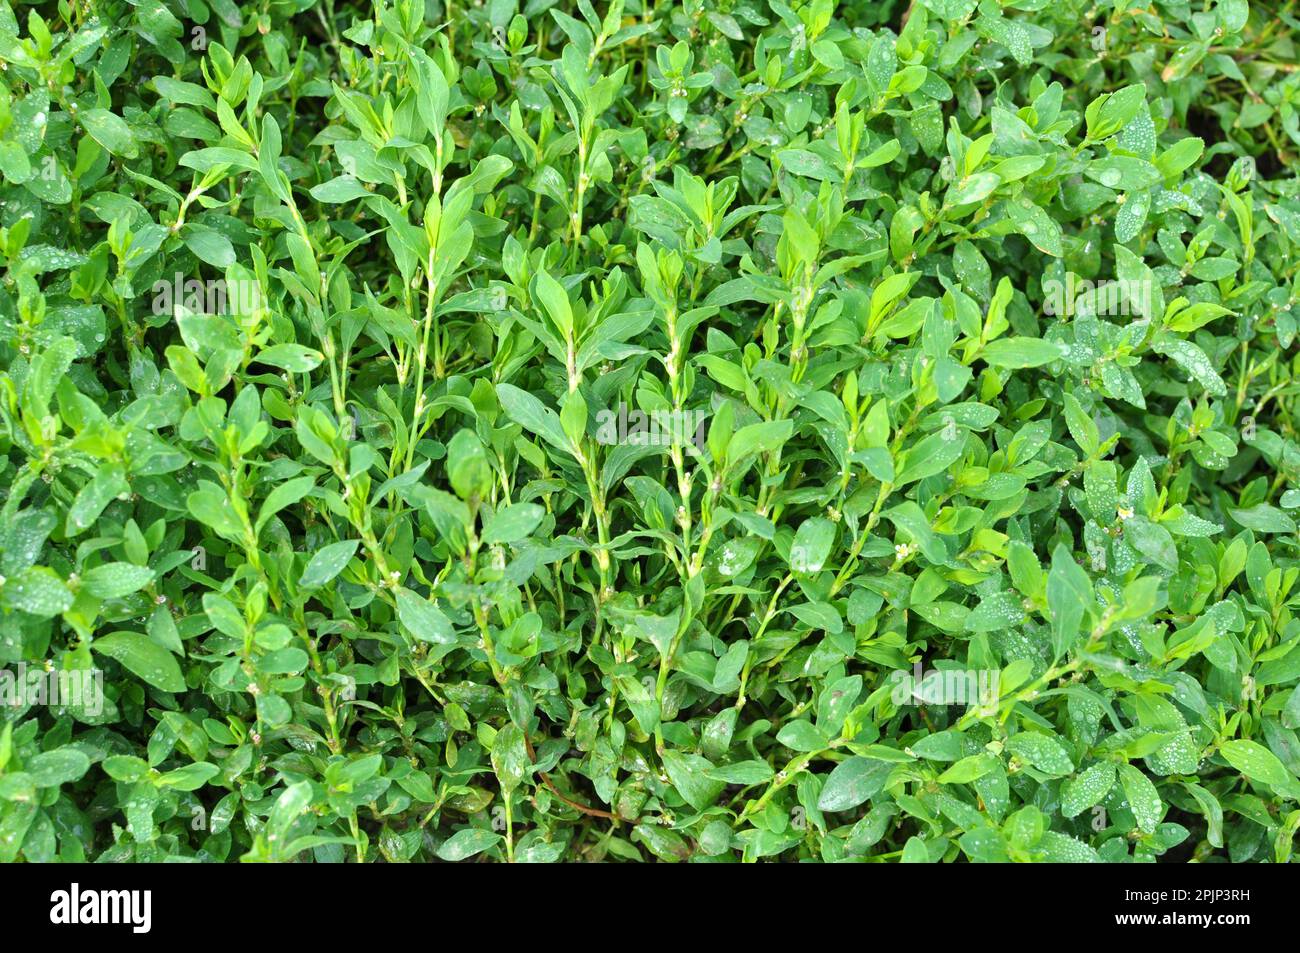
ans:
(717, 430)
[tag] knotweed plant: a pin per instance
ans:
(718, 430)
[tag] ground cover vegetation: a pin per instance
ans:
(724, 430)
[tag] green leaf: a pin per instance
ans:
(758, 438)
(1143, 799)
(802, 736)
(690, 775)
(531, 414)
(49, 769)
(853, 782)
(115, 580)
(423, 619)
(742, 772)
(556, 302)
(189, 778)
(143, 657)
(343, 188)
(464, 844)
(1019, 352)
(327, 563)
(812, 545)
(1041, 752)
(1263, 518)
(1069, 597)
(209, 246)
(974, 188)
(38, 591)
(284, 495)
(512, 523)
(510, 759)
(110, 131)
(1257, 763)
(291, 357)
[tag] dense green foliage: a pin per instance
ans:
(718, 430)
